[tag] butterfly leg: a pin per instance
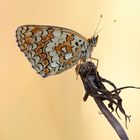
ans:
(96, 59)
(78, 67)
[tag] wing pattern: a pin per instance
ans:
(51, 49)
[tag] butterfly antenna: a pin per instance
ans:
(105, 27)
(97, 25)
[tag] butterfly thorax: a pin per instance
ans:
(92, 42)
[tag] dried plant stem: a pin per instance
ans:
(94, 87)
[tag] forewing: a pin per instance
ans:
(50, 49)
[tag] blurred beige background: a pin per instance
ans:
(33, 108)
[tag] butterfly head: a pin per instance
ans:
(93, 41)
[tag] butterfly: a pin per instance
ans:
(52, 50)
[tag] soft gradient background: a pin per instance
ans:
(33, 108)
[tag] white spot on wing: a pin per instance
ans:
(45, 32)
(38, 67)
(32, 61)
(37, 59)
(33, 53)
(34, 45)
(36, 39)
(24, 29)
(54, 55)
(28, 34)
(63, 36)
(68, 56)
(57, 34)
(54, 64)
(64, 49)
(55, 40)
(50, 47)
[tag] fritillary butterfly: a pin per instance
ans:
(51, 49)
